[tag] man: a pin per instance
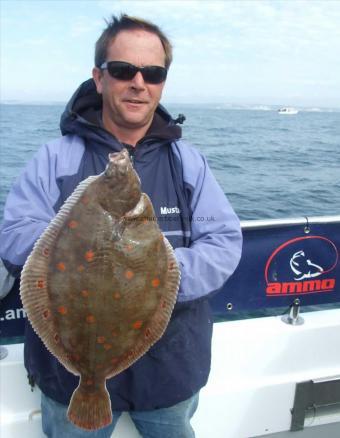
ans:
(120, 108)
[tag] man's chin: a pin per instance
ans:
(137, 120)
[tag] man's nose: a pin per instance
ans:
(137, 82)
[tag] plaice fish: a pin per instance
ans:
(100, 285)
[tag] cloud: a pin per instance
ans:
(85, 25)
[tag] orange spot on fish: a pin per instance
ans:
(101, 339)
(40, 284)
(89, 382)
(145, 221)
(89, 256)
(99, 366)
(107, 346)
(46, 252)
(114, 333)
(61, 266)
(129, 247)
(90, 319)
(62, 310)
(137, 325)
(46, 313)
(85, 293)
(155, 282)
(128, 274)
(114, 360)
(80, 268)
(85, 200)
(73, 224)
(75, 357)
(116, 295)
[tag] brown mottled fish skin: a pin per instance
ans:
(100, 285)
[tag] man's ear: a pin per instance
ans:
(97, 75)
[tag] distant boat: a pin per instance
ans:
(288, 111)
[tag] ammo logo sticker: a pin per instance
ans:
(303, 265)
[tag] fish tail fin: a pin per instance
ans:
(90, 408)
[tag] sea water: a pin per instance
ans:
(268, 165)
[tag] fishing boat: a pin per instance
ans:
(276, 342)
(287, 111)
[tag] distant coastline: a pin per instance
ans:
(33, 102)
(212, 105)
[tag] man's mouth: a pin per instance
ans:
(135, 101)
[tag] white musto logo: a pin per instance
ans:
(303, 267)
(170, 210)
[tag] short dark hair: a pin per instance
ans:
(126, 22)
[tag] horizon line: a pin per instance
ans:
(230, 104)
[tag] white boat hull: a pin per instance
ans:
(288, 111)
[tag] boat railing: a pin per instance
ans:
(278, 223)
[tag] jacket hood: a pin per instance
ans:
(82, 116)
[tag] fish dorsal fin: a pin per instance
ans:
(70, 202)
(34, 277)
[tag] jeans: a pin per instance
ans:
(172, 422)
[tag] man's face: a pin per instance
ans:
(131, 104)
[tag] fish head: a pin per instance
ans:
(119, 164)
(119, 187)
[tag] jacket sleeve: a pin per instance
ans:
(216, 238)
(28, 209)
(6, 281)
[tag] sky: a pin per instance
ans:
(271, 52)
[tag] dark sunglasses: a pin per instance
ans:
(124, 71)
